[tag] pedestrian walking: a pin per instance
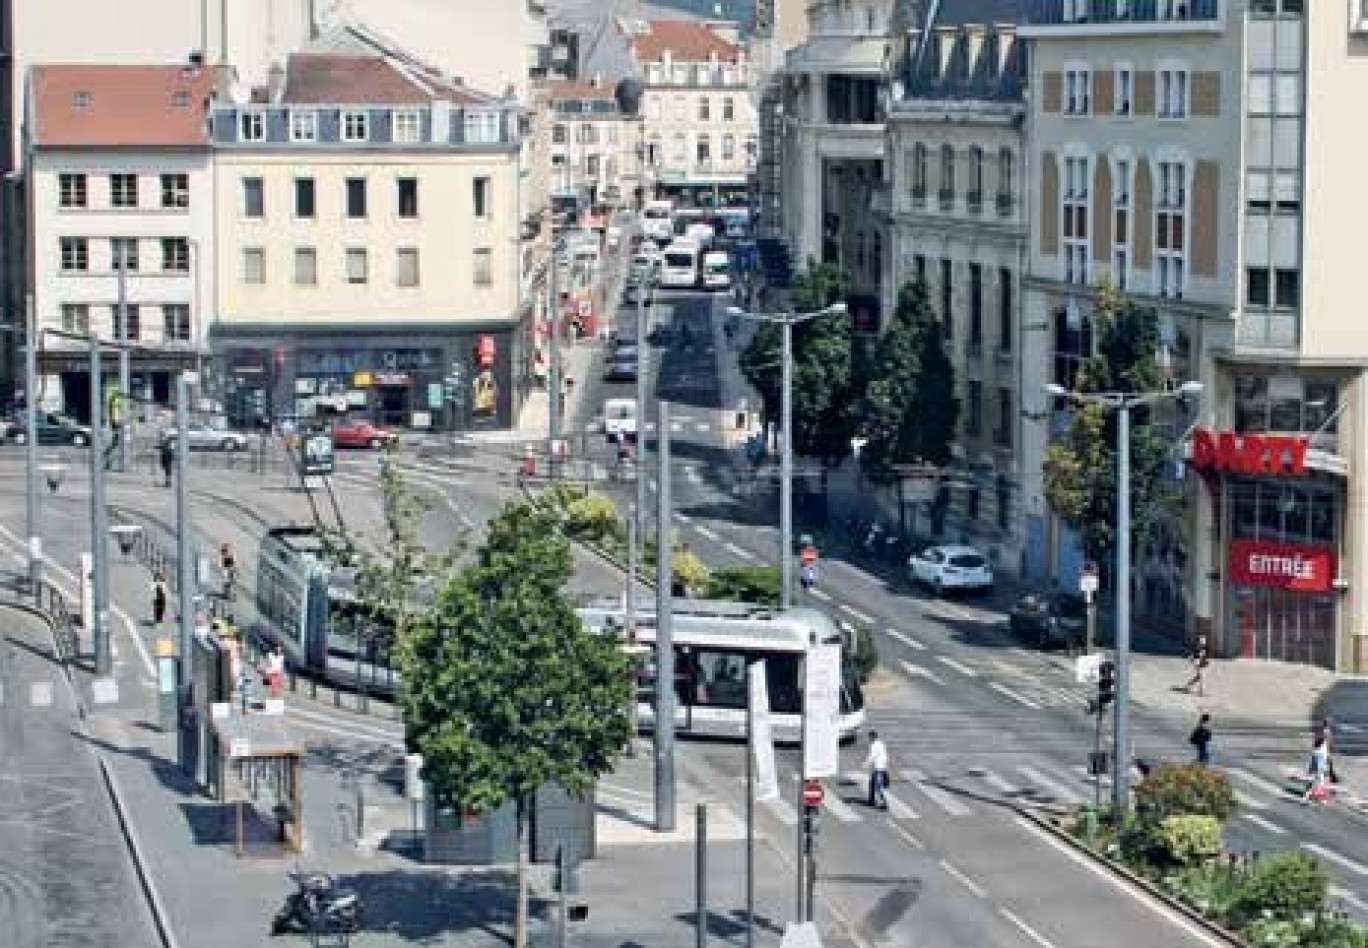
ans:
(1201, 739)
(274, 669)
(158, 599)
(1321, 731)
(876, 762)
(167, 456)
(1200, 660)
(1318, 770)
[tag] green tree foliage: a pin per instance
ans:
(1184, 790)
(1080, 470)
(505, 691)
(910, 409)
(1285, 886)
(757, 584)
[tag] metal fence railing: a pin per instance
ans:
(51, 602)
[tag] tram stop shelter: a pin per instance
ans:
(259, 774)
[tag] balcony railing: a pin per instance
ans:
(947, 198)
(1067, 12)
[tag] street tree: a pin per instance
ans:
(1080, 470)
(505, 690)
(909, 410)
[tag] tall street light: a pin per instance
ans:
(1122, 403)
(787, 321)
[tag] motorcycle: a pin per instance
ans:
(317, 906)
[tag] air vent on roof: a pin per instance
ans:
(81, 100)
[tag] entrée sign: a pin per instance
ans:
(1296, 566)
(1249, 453)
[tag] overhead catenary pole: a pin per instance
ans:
(641, 393)
(1121, 749)
(665, 664)
(184, 568)
(125, 382)
(786, 469)
(633, 554)
(31, 512)
(555, 385)
(99, 516)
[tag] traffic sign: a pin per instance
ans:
(809, 555)
(813, 793)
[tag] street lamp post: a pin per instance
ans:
(35, 539)
(787, 321)
(99, 514)
(1122, 403)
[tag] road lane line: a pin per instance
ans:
(735, 550)
(916, 671)
(707, 532)
(951, 663)
(1060, 791)
(856, 613)
(1342, 861)
(905, 639)
(1259, 821)
(1247, 801)
(1008, 692)
(1349, 898)
(946, 801)
(1265, 785)
(998, 783)
(963, 880)
(908, 838)
(782, 809)
(1026, 930)
(896, 807)
(838, 808)
(818, 594)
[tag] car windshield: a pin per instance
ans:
(968, 561)
(1069, 607)
(679, 259)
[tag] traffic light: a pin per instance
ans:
(1106, 684)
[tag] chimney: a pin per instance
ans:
(275, 83)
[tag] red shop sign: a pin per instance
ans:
(1249, 453)
(486, 351)
(1296, 566)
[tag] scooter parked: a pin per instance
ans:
(317, 906)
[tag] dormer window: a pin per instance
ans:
(304, 126)
(407, 126)
(355, 126)
(481, 128)
(251, 126)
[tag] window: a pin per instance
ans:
(175, 253)
(975, 307)
(592, 165)
(1077, 92)
(1006, 180)
(303, 125)
(251, 126)
(1076, 220)
(406, 195)
(126, 321)
(71, 190)
(75, 254)
(975, 175)
(919, 172)
(560, 134)
(355, 126)
(358, 265)
(176, 322)
(123, 190)
(356, 197)
(1287, 289)
(947, 170)
(1121, 215)
(481, 127)
(253, 265)
(479, 196)
(253, 198)
(1002, 437)
(306, 198)
(1169, 229)
(484, 266)
(1257, 286)
(1121, 103)
(728, 147)
(407, 126)
(1173, 87)
(1006, 308)
(704, 109)
(588, 134)
(679, 153)
(123, 254)
(175, 190)
(947, 288)
(76, 317)
(919, 268)
(704, 149)
(973, 410)
(406, 266)
(305, 266)
(728, 109)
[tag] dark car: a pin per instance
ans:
(52, 429)
(1050, 619)
(621, 368)
(359, 433)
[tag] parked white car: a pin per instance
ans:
(944, 568)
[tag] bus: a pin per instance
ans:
(714, 642)
(680, 266)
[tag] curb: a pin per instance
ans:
(160, 917)
(1216, 931)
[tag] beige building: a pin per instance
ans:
(367, 247)
(698, 116)
(596, 143)
(1198, 156)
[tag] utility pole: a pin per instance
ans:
(665, 664)
(31, 513)
(1121, 735)
(125, 384)
(555, 384)
(184, 568)
(99, 515)
(786, 469)
(641, 389)
(633, 545)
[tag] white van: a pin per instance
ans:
(657, 220)
(619, 418)
(716, 270)
(680, 269)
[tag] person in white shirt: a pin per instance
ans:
(876, 762)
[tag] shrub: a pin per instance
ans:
(1184, 790)
(689, 571)
(866, 653)
(1188, 840)
(591, 516)
(757, 584)
(1211, 889)
(1286, 886)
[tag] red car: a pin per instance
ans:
(359, 433)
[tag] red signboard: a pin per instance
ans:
(1297, 566)
(487, 351)
(813, 793)
(1249, 453)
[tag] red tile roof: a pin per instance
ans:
(687, 42)
(345, 79)
(129, 105)
(565, 89)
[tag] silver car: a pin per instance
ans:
(208, 438)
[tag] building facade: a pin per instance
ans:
(954, 218)
(367, 243)
(121, 201)
(596, 144)
(698, 118)
(1173, 154)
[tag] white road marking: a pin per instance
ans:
(856, 613)
(1265, 785)
(1338, 859)
(963, 880)
(735, 550)
(693, 476)
(998, 783)
(710, 534)
(936, 795)
(951, 663)
(683, 518)
(818, 594)
(782, 809)
(704, 426)
(1259, 821)
(896, 807)
(1349, 898)
(1059, 790)
(1247, 801)
(838, 808)
(1026, 930)
(40, 694)
(916, 671)
(905, 639)
(908, 838)
(1351, 728)
(294, 713)
(1008, 692)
